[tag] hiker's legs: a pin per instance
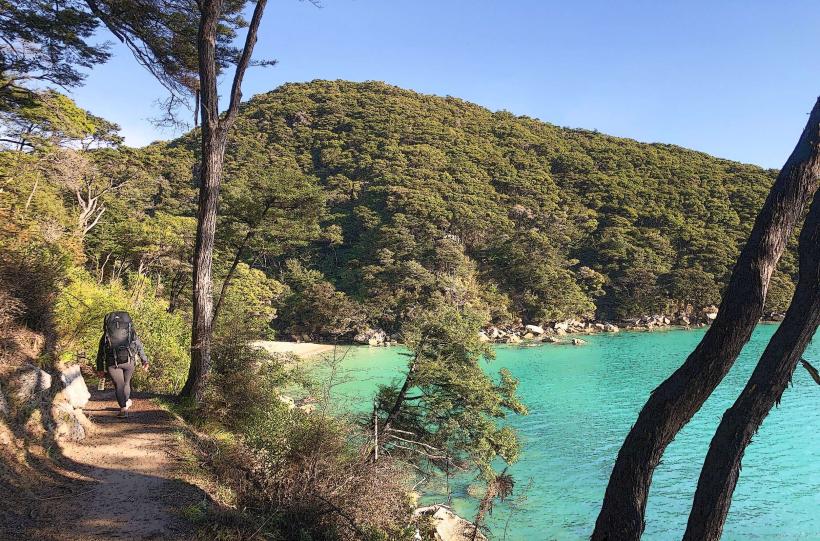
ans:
(127, 372)
(116, 374)
(121, 376)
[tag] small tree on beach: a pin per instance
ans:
(446, 412)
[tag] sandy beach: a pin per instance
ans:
(302, 349)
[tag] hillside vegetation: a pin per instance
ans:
(352, 205)
(365, 200)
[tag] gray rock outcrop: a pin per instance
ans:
(28, 382)
(74, 387)
(371, 337)
(70, 422)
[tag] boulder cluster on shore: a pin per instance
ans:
(554, 332)
(375, 337)
(557, 331)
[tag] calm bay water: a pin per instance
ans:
(583, 400)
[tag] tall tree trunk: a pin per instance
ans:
(213, 151)
(196, 108)
(214, 135)
(764, 389)
(202, 326)
(677, 399)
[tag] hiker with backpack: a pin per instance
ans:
(117, 353)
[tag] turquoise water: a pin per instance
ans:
(582, 402)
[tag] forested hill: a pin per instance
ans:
(397, 198)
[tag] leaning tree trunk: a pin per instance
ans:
(677, 399)
(226, 283)
(764, 389)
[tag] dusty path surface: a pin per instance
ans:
(126, 486)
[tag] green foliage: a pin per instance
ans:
(79, 310)
(447, 410)
(506, 215)
(163, 37)
(312, 308)
(691, 286)
(542, 286)
(37, 247)
(245, 380)
(551, 222)
(46, 43)
(366, 219)
(249, 305)
(779, 296)
(49, 118)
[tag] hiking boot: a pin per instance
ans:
(123, 414)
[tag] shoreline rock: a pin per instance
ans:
(551, 332)
(373, 337)
(548, 333)
(448, 525)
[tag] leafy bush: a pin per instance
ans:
(312, 308)
(315, 481)
(249, 308)
(82, 304)
(244, 379)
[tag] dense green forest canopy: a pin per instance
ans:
(362, 202)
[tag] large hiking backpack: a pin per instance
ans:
(119, 334)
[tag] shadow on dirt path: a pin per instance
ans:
(125, 483)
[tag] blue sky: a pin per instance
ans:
(731, 78)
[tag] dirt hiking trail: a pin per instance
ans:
(126, 486)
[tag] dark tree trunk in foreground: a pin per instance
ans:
(764, 389)
(677, 399)
(214, 136)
